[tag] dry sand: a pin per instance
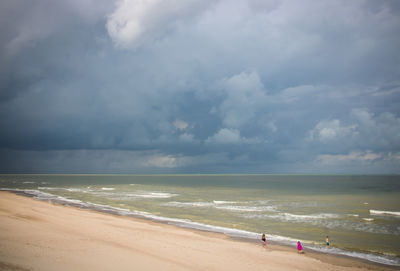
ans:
(36, 235)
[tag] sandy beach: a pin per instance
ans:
(36, 235)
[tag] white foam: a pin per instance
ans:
(188, 204)
(355, 215)
(368, 219)
(220, 205)
(302, 204)
(123, 195)
(107, 208)
(247, 208)
(378, 212)
(309, 217)
(160, 195)
(107, 188)
(28, 182)
(47, 188)
(314, 219)
(62, 188)
(46, 196)
(75, 190)
(224, 202)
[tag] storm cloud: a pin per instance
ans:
(212, 86)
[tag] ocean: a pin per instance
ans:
(360, 214)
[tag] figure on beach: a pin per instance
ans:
(263, 239)
(299, 247)
(327, 241)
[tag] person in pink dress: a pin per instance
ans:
(299, 247)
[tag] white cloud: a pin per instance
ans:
(225, 136)
(364, 117)
(231, 136)
(360, 161)
(134, 22)
(381, 130)
(328, 130)
(245, 97)
(364, 131)
(293, 94)
(362, 156)
(180, 124)
(392, 90)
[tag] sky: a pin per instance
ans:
(200, 86)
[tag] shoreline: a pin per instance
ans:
(247, 236)
(18, 216)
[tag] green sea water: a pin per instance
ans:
(360, 214)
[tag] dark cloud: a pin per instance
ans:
(199, 86)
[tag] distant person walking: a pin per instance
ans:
(327, 241)
(299, 247)
(264, 239)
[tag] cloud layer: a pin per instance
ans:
(200, 86)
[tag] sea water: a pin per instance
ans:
(360, 214)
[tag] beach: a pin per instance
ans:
(37, 235)
(140, 134)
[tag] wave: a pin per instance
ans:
(247, 208)
(224, 202)
(185, 223)
(378, 212)
(330, 221)
(300, 218)
(160, 195)
(368, 219)
(123, 195)
(222, 205)
(353, 215)
(303, 204)
(71, 189)
(108, 191)
(76, 190)
(313, 216)
(188, 204)
(47, 188)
